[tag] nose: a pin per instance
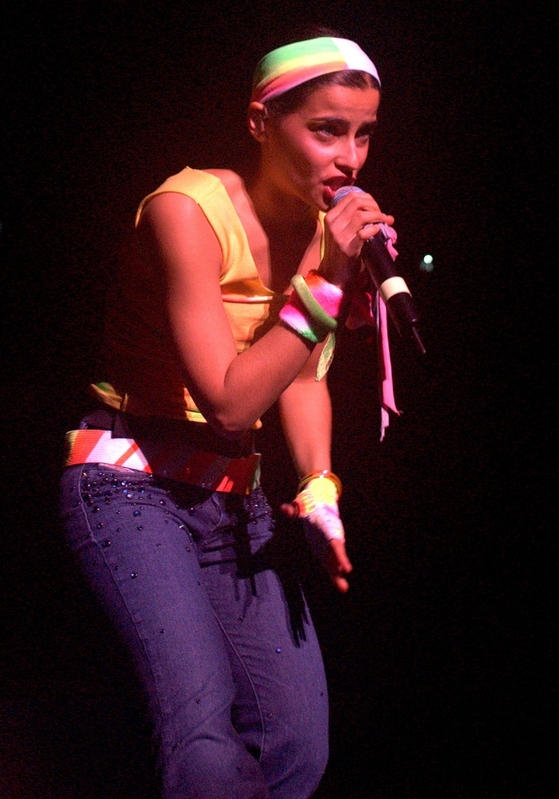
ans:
(348, 156)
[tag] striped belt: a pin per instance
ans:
(181, 462)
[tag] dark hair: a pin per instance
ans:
(293, 99)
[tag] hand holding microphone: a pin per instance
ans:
(390, 285)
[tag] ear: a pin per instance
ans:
(257, 115)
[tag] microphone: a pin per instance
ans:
(390, 285)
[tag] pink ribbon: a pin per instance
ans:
(387, 401)
(363, 313)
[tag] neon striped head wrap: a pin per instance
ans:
(289, 66)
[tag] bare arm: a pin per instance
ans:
(306, 415)
(231, 390)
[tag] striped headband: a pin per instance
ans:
(289, 66)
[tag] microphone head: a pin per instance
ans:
(339, 193)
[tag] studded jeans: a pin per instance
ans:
(231, 666)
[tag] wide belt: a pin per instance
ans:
(181, 462)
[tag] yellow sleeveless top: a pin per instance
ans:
(141, 367)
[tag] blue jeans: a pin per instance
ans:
(231, 667)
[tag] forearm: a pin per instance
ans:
(307, 420)
(306, 414)
(253, 381)
(231, 390)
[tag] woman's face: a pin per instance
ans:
(313, 151)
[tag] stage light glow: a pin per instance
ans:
(427, 264)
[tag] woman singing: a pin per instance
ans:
(227, 304)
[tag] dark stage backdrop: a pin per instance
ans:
(439, 658)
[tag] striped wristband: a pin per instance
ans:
(312, 307)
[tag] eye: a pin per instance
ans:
(325, 130)
(363, 139)
(365, 133)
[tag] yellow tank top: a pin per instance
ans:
(141, 368)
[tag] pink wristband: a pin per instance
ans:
(326, 294)
(312, 307)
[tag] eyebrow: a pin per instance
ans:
(372, 125)
(334, 120)
(341, 121)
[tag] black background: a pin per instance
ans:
(439, 658)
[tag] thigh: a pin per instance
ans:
(281, 705)
(135, 546)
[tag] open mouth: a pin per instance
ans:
(331, 187)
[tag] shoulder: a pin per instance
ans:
(234, 186)
(205, 206)
(231, 182)
(195, 183)
(201, 185)
(174, 236)
(175, 216)
(230, 179)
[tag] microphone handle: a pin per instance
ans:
(388, 283)
(392, 289)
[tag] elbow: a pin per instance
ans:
(230, 417)
(232, 425)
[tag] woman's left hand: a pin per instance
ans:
(324, 531)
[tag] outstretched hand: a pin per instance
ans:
(331, 552)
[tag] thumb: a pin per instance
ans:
(290, 509)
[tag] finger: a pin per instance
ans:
(341, 584)
(363, 208)
(371, 228)
(290, 509)
(339, 581)
(343, 215)
(337, 556)
(356, 203)
(338, 565)
(357, 225)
